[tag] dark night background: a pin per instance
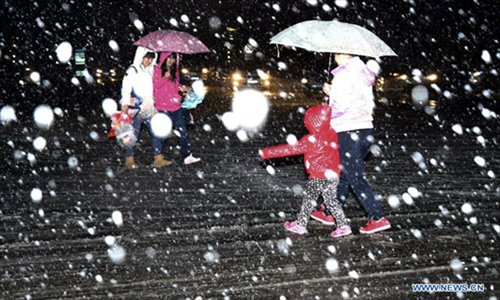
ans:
(444, 36)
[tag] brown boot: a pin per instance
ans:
(130, 163)
(160, 161)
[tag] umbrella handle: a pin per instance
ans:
(328, 70)
(326, 99)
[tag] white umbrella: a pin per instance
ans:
(333, 37)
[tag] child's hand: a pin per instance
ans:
(326, 88)
(125, 108)
(261, 154)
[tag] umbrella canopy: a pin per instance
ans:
(333, 36)
(172, 41)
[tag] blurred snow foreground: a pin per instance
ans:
(64, 52)
(7, 114)
(249, 113)
(161, 125)
(43, 116)
(109, 106)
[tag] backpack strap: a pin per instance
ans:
(131, 67)
(133, 94)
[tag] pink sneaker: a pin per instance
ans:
(375, 226)
(295, 227)
(318, 215)
(341, 231)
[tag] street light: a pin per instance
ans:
(432, 77)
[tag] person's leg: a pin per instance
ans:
(311, 194)
(186, 115)
(323, 214)
(156, 142)
(343, 186)
(129, 151)
(355, 146)
(180, 125)
(329, 192)
(191, 118)
(136, 123)
(332, 204)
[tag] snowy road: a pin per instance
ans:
(214, 230)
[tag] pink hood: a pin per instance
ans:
(166, 91)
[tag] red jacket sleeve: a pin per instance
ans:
(284, 150)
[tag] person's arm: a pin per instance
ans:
(284, 150)
(126, 91)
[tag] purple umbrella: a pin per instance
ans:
(172, 41)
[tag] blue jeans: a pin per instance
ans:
(156, 142)
(179, 124)
(353, 148)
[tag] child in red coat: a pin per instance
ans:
(322, 163)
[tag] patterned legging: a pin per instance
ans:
(328, 189)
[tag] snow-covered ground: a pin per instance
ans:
(76, 224)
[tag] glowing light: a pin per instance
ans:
(432, 77)
(263, 75)
(237, 76)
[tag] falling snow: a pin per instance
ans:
(76, 223)
(109, 106)
(64, 52)
(43, 116)
(161, 125)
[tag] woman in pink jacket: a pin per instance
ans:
(166, 86)
(351, 100)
